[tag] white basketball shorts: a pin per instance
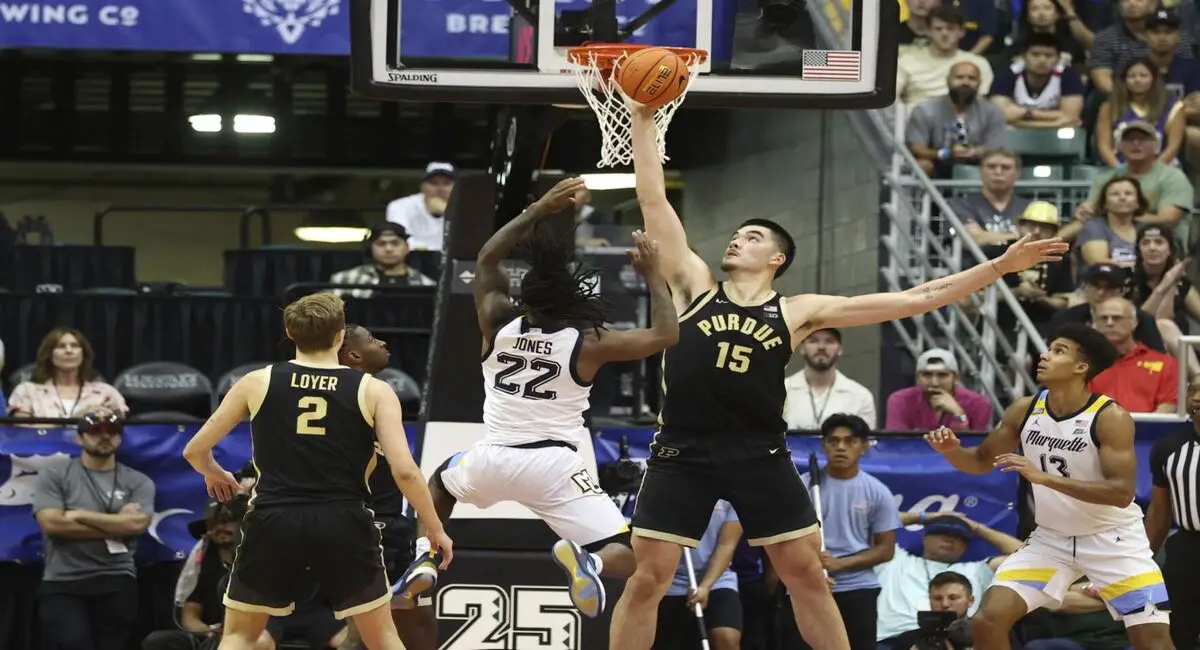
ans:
(553, 482)
(1118, 562)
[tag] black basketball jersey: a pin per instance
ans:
(312, 443)
(726, 372)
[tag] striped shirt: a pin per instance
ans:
(1175, 466)
(1115, 47)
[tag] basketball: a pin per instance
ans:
(653, 76)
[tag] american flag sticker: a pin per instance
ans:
(826, 65)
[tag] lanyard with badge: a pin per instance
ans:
(115, 546)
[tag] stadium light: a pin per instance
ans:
(251, 111)
(331, 227)
(599, 182)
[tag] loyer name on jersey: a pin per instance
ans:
(761, 332)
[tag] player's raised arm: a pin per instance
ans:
(235, 407)
(687, 274)
(389, 431)
(631, 345)
(818, 312)
(490, 286)
(981, 460)
(1118, 463)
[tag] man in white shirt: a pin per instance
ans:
(820, 390)
(421, 213)
(922, 72)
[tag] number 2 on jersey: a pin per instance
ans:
(533, 388)
(1059, 463)
(313, 410)
(735, 358)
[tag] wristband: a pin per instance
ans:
(921, 518)
(943, 153)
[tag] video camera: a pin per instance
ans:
(938, 628)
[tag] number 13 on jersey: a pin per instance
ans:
(734, 358)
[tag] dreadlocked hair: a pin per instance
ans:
(557, 288)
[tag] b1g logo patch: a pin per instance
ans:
(509, 618)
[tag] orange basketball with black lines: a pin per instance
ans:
(653, 76)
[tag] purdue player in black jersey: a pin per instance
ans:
(722, 432)
(314, 425)
(418, 629)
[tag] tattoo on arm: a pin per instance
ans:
(940, 287)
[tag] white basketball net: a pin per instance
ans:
(607, 99)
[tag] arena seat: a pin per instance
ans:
(166, 386)
(1065, 145)
(966, 173)
(1085, 172)
(227, 380)
(1042, 172)
(407, 389)
(25, 373)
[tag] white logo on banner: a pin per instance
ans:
(499, 618)
(291, 17)
(18, 489)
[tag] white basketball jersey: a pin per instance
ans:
(530, 389)
(1069, 448)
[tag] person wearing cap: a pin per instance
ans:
(387, 246)
(937, 400)
(1101, 282)
(1142, 380)
(1140, 97)
(421, 213)
(92, 510)
(990, 215)
(1038, 91)
(820, 389)
(904, 580)
(1162, 41)
(1118, 44)
(1169, 193)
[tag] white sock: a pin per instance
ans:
(423, 545)
(599, 563)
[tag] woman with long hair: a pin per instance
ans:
(64, 382)
(1140, 94)
(1160, 285)
(1057, 18)
(1111, 236)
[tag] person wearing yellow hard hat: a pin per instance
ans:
(1046, 288)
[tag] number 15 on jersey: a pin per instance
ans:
(734, 358)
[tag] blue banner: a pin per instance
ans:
(463, 29)
(921, 480)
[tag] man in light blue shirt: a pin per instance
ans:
(859, 522)
(716, 591)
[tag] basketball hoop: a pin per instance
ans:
(593, 68)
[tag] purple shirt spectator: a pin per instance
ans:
(907, 409)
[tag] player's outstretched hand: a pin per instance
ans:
(644, 257)
(1025, 253)
(559, 196)
(440, 543)
(942, 439)
(223, 486)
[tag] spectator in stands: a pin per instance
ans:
(1101, 282)
(1162, 39)
(1142, 380)
(387, 244)
(91, 510)
(949, 591)
(1058, 20)
(915, 30)
(421, 213)
(1117, 45)
(980, 23)
(202, 584)
(1161, 287)
(1044, 289)
(1039, 91)
(1139, 96)
(937, 400)
(1168, 190)
(64, 382)
(1111, 237)
(1081, 622)
(905, 579)
(716, 590)
(923, 73)
(990, 215)
(859, 525)
(957, 128)
(820, 389)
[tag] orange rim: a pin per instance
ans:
(606, 54)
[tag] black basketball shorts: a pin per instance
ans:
(677, 628)
(339, 544)
(684, 480)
